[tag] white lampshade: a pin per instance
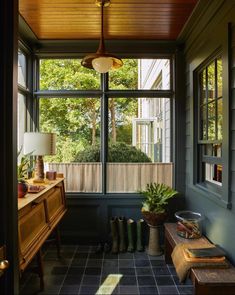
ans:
(39, 144)
(102, 64)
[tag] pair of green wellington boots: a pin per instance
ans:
(126, 235)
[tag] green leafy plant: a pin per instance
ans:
(24, 166)
(157, 196)
(118, 152)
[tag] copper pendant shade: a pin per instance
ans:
(102, 61)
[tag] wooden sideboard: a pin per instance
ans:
(38, 216)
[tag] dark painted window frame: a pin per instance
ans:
(105, 93)
(220, 195)
(203, 159)
(27, 91)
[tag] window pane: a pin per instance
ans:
(67, 74)
(211, 121)
(22, 69)
(76, 121)
(139, 141)
(203, 123)
(141, 74)
(211, 81)
(213, 150)
(213, 173)
(203, 87)
(21, 120)
(219, 77)
(220, 119)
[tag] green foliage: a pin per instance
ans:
(157, 196)
(117, 153)
(66, 150)
(90, 154)
(76, 121)
(126, 77)
(121, 152)
(24, 166)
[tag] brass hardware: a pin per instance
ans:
(101, 52)
(4, 264)
(105, 3)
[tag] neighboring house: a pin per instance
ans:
(151, 130)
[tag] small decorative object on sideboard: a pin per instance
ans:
(22, 173)
(51, 175)
(189, 225)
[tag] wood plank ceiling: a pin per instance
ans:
(124, 19)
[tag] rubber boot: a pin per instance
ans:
(130, 235)
(114, 233)
(139, 243)
(122, 234)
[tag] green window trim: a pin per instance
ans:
(216, 192)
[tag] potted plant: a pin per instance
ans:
(157, 196)
(22, 173)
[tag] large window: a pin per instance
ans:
(111, 137)
(22, 96)
(210, 107)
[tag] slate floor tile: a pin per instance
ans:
(127, 271)
(142, 263)
(161, 270)
(148, 290)
(73, 270)
(91, 280)
(186, 290)
(146, 281)
(128, 290)
(128, 281)
(144, 271)
(168, 290)
(73, 280)
(82, 271)
(95, 271)
(126, 263)
(164, 280)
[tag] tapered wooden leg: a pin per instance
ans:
(40, 269)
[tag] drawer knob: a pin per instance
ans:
(4, 265)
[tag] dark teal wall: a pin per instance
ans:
(209, 33)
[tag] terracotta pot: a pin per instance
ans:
(153, 218)
(22, 189)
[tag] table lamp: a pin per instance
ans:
(39, 144)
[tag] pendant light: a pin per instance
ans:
(101, 61)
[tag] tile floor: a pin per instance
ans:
(82, 271)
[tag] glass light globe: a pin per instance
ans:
(102, 64)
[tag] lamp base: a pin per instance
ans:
(39, 169)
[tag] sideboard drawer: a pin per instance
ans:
(31, 226)
(55, 204)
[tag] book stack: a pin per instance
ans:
(211, 254)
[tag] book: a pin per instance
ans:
(35, 188)
(206, 252)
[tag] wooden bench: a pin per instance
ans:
(206, 281)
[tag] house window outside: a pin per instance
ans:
(210, 107)
(126, 122)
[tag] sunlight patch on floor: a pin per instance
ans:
(109, 285)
